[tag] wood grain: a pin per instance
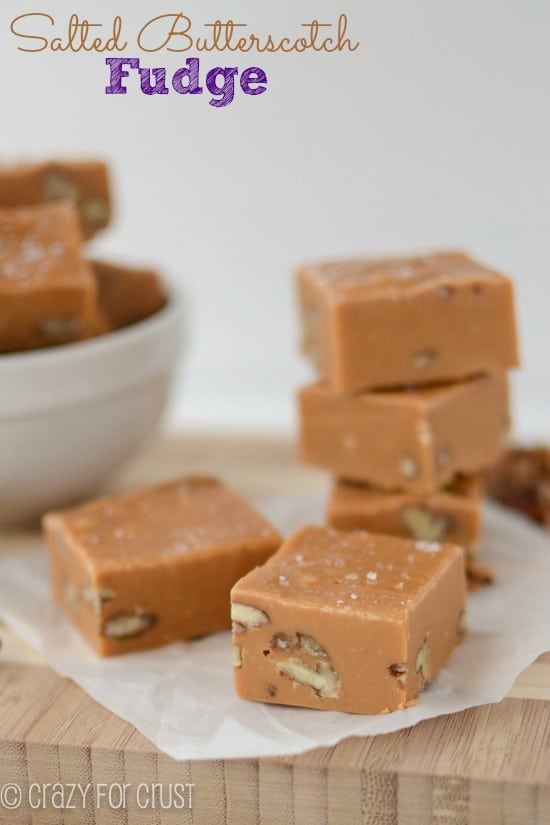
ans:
(486, 766)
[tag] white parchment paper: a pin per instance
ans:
(181, 697)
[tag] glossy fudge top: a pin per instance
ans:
(363, 278)
(40, 245)
(359, 571)
(183, 517)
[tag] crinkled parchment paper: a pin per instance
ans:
(181, 697)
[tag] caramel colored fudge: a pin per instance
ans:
(127, 295)
(413, 320)
(410, 440)
(84, 183)
(452, 514)
(47, 290)
(347, 621)
(154, 566)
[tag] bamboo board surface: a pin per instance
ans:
(485, 766)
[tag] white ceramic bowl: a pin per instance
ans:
(71, 415)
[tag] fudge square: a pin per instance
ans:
(452, 514)
(411, 440)
(83, 182)
(126, 294)
(347, 621)
(154, 566)
(47, 290)
(411, 320)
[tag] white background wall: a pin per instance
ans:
(436, 132)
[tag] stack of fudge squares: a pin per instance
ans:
(51, 292)
(411, 406)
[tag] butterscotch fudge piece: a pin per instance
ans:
(83, 182)
(347, 621)
(411, 320)
(521, 481)
(126, 294)
(47, 290)
(154, 566)
(452, 514)
(101, 324)
(409, 440)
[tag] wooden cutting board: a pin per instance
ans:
(485, 766)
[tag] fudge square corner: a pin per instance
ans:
(47, 291)
(411, 320)
(156, 565)
(352, 622)
(410, 440)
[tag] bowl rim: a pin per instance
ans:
(173, 309)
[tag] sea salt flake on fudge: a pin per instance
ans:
(126, 294)
(410, 320)
(452, 514)
(154, 566)
(361, 624)
(85, 183)
(47, 291)
(412, 440)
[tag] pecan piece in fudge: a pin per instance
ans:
(521, 480)
(452, 514)
(412, 320)
(85, 183)
(154, 566)
(347, 621)
(413, 440)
